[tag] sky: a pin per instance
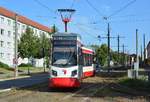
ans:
(88, 19)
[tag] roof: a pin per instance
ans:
(66, 34)
(148, 45)
(23, 19)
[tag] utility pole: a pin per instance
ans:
(15, 60)
(141, 54)
(137, 58)
(118, 46)
(118, 38)
(108, 46)
(43, 51)
(144, 48)
(123, 54)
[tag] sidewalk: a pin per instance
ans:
(9, 84)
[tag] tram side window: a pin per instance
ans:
(87, 60)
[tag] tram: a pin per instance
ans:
(70, 61)
(88, 65)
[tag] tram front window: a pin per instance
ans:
(64, 57)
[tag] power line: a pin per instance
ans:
(122, 8)
(43, 5)
(72, 4)
(92, 6)
(81, 29)
(89, 26)
(130, 21)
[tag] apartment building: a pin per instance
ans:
(148, 51)
(7, 32)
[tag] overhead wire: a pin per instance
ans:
(114, 13)
(93, 7)
(73, 3)
(87, 33)
(83, 30)
(130, 21)
(43, 5)
(89, 27)
(122, 8)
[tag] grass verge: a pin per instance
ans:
(137, 84)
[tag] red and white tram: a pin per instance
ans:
(71, 62)
(88, 66)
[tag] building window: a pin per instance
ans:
(8, 55)
(18, 25)
(2, 31)
(40, 32)
(23, 27)
(9, 22)
(1, 55)
(14, 25)
(9, 33)
(9, 44)
(2, 20)
(14, 35)
(1, 43)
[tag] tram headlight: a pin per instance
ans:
(54, 72)
(74, 73)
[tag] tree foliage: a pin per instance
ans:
(44, 46)
(28, 44)
(54, 30)
(102, 55)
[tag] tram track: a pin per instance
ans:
(90, 88)
(98, 84)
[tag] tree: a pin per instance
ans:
(45, 46)
(28, 45)
(114, 57)
(54, 30)
(101, 53)
(44, 50)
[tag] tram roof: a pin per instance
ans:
(67, 34)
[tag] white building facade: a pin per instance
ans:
(148, 51)
(7, 33)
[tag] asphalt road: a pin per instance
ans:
(23, 82)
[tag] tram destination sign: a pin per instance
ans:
(64, 42)
(65, 38)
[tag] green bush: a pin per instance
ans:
(137, 84)
(3, 65)
(25, 65)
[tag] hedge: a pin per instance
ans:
(3, 65)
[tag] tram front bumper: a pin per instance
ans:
(64, 82)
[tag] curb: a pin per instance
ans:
(5, 90)
(14, 78)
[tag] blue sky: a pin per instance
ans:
(124, 23)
